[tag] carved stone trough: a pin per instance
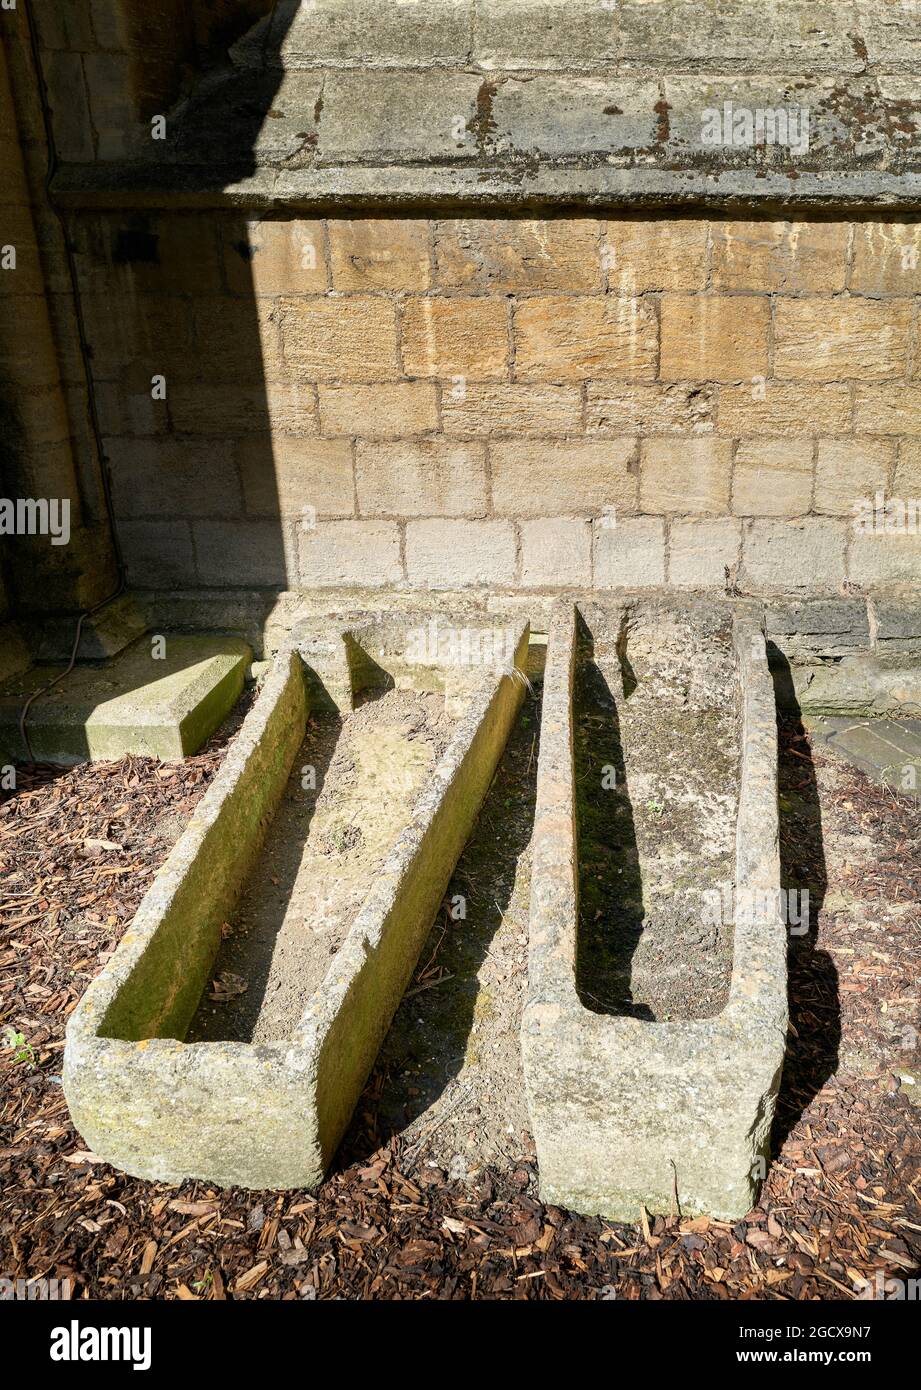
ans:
(628, 1110)
(270, 1113)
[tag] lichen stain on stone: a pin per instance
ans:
(483, 125)
(663, 125)
(859, 46)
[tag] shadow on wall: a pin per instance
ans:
(188, 388)
(815, 1012)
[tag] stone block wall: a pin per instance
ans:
(47, 449)
(559, 403)
(456, 293)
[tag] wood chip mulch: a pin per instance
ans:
(842, 1202)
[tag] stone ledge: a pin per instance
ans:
(447, 104)
(105, 633)
(807, 628)
(406, 188)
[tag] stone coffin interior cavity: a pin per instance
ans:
(656, 746)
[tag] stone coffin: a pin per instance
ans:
(628, 1112)
(270, 1115)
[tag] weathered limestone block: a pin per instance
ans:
(381, 412)
(712, 337)
(831, 339)
(511, 255)
(788, 555)
(556, 551)
(563, 338)
(887, 409)
(350, 553)
(671, 256)
(500, 408)
(850, 472)
(572, 478)
(897, 624)
(145, 701)
(628, 1112)
(772, 477)
(448, 554)
(859, 685)
(379, 254)
(330, 339)
(702, 550)
(685, 475)
(425, 478)
(784, 410)
(883, 561)
(820, 629)
(649, 408)
(455, 337)
(780, 256)
(271, 1114)
(630, 554)
(305, 473)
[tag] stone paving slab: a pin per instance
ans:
(888, 750)
(155, 706)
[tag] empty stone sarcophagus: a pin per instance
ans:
(230, 1034)
(655, 1024)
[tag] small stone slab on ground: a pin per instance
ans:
(888, 750)
(162, 697)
